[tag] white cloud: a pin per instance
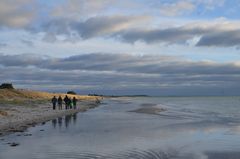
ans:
(82, 9)
(16, 14)
(210, 4)
(178, 8)
(66, 26)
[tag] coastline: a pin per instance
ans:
(15, 118)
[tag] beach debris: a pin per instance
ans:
(42, 130)
(16, 130)
(27, 135)
(33, 124)
(23, 127)
(14, 144)
(3, 113)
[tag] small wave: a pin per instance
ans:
(133, 154)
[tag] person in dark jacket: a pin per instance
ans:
(66, 101)
(74, 101)
(60, 101)
(54, 102)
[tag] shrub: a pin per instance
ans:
(6, 86)
(71, 92)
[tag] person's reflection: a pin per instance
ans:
(54, 123)
(74, 118)
(68, 119)
(60, 122)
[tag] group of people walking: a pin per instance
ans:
(69, 103)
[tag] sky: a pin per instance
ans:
(112, 47)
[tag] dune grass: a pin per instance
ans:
(28, 97)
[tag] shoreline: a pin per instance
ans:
(16, 118)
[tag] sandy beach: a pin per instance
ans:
(18, 113)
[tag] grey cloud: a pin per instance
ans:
(208, 36)
(56, 26)
(125, 63)
(221, 38)
(119, 27)
(141, 64)
(24, 14)
(22, 60)
(120, 74)
(96, 26)
(117, 82)
(170, 36)
(103, 25)
(126, 29)
(27, 42)
(2, 45)
(50, 37)
(90, 28)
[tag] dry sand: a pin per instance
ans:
(23, 109)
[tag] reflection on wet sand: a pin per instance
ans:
(54, 123)
(223, 155)
(133, 154)
(60, 122)
(148, 110)
(67, 121)
(152, 154)
(190, 128)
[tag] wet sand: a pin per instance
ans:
(190, 128)
(148, 108)
(15, 118)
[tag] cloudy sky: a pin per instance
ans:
(153, 47)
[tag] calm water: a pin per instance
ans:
(190, 128)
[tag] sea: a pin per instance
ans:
(173, 128)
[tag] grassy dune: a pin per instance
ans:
(20, 96)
